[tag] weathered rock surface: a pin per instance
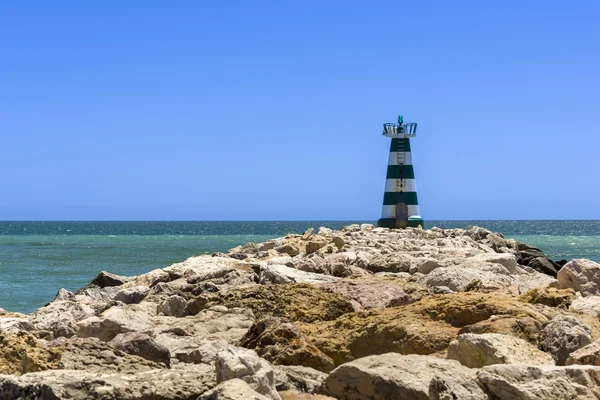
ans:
(528, 382)
(563, 335)
(587, 355)
(391, 375)
(93, 355)
(161, 384)
(298, 379)
(581, 275)
(479, 350)
(552, 297)
(21, 352)
(142, 345)
(297, 302)
(367, 295)
(281, 342)
(233, 389)
(247, 366)
(424, 327)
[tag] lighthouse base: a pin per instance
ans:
(413, 222)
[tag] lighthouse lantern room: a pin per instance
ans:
(400, 204)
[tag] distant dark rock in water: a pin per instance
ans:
(360, 312)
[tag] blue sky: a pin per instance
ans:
(272, 110)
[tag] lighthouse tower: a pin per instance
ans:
(400, 204)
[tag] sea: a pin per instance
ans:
(38, 258)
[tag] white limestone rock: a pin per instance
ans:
(478, 350)
(396, 376)
(540, 382)
(582, 275)
(248, 366)
(234, 389)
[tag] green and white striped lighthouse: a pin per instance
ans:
(400, 204)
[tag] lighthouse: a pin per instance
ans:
(400, 204)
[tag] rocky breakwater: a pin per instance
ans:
(360, 313)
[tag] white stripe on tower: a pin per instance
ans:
(394, 156)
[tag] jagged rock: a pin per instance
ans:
(247, 366)
(395, 376)
(15, 324)
(315, 243)
(104, 279)
(92, 355)
(314, 263)
(289, 249)
(586, 306)
(21, 352)
(233, 389)
(149, 279)
(563, 335)
(298, 378)
(395, 262)
(281, 342)
(212, 323)
(478, 350)
(202, 352)
(552, 297)
(142, 345)
(132, 295)
(544, 265)
(269, 274)
(367, 295)
(58, 318)
(297, 302)
(286, 274)
(587, 355)
(526, 328)
(458, 279)
(174, 306)
(424, 327)
(429, 265)
(581, 275)
(158, 384)
(528, 382)
(508, 261)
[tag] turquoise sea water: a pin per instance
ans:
(38, 258)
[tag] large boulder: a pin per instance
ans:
(425, 327)
(142, 345)
(281, 342)
(563, 335)
(157, 384)
(395, 376)
(104, 279)
(21, 352)
(247, 366)
(216, 322)
(233, 389)
(93, 355)
(552, 297)
(366, 295)
(460, 279)
(298, 378)
(507, 260)
(478, 350)
(297, 302)
(529, 382)
(582, 275)
(587, 355)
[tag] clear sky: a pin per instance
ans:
(198, 110)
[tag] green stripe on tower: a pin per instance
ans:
(400, 172)
(393, 198)
(400, 145)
